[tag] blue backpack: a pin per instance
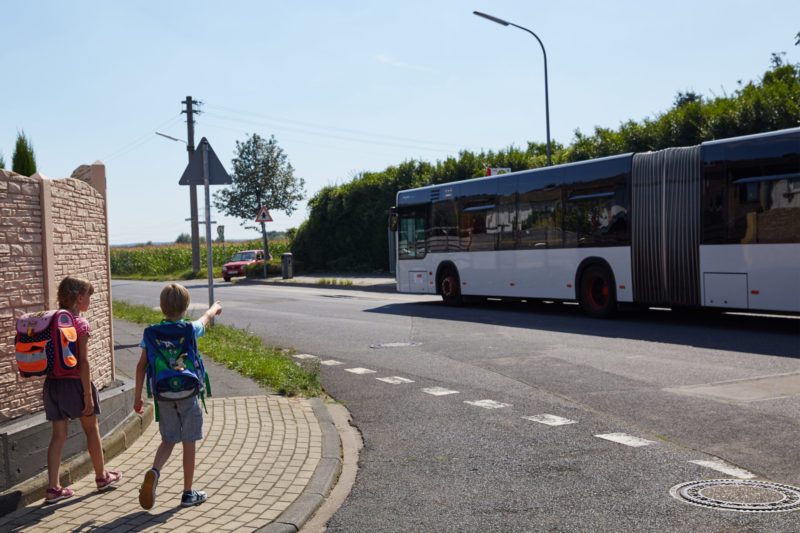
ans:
(174, 367)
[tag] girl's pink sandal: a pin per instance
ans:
(103, 483)
(54, 495)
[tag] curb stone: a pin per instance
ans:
(322, 481)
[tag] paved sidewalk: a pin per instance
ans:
(266, 463)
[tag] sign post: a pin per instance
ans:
(263, 217)
(205, 168)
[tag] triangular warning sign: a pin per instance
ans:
(193, 175)
(263, 215)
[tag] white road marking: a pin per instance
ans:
(304, 356)
(439, 391)
(360, 370)
(489, 404)
(627, 440)
(331, 362)
(395, 380)
(550, 420)
(721, 466)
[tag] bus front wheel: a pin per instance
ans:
(448, 286)
(597, 295)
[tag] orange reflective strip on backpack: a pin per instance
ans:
(31, 356)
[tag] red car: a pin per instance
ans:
(240, 260)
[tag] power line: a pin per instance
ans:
(301, 126)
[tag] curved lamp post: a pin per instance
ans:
(546, 96)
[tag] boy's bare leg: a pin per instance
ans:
(188, 464)
(162, 454)
(54, 452)
(94, 444)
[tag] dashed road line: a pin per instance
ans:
(331, 362)
(721, 466)
(395, 380)
(439, 391)
(488, 404)
(627, 440)
(550, 420)
(360, 370)
(304, 356)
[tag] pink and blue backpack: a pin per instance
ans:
(46, 344)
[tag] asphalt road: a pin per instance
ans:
(523, 417)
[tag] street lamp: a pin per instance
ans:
(171, 137)
(192, 204)
(546, 97)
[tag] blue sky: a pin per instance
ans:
(347, 87)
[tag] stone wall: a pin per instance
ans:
(50, 229)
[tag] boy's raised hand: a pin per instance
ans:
(137, 405)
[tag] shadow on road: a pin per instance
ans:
(767, 335)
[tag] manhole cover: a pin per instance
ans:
(742, 495)
(395, 344)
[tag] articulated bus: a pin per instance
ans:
(715, 225)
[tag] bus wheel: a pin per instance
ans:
(451, 292)
(597, 296)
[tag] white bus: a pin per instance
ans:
(715, 225)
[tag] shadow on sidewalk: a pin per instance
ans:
(138, 521)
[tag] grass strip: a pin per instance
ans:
(241, 351)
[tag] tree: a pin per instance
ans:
(183, 238)
(23, 162)
(262, 176)
(2, 161)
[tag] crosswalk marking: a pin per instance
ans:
(627, 440)
(489, 404)
(550, 420)
(439, 391)
(721, 466)
(359, 370)
(331, 362)
(395, 380)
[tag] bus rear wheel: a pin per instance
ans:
(597, 295)
(449, 288)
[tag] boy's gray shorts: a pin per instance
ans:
(180, 420)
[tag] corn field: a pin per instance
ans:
(172, 258)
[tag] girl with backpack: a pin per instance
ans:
(74, 396)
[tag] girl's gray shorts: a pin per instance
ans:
(180, 420)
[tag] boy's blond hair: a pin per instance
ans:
(69, 289)
(175, 300)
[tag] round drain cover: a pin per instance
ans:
(395, 344)
(746, 496)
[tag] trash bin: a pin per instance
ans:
(286, 265)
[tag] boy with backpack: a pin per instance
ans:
(176, 378)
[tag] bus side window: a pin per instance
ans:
(540, 219)
(764, 194)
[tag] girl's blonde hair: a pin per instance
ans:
(175, 300)
(69, 289)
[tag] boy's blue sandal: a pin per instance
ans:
(192, 497)
(147, 494)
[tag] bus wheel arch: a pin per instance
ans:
(448, 284)
(596, 288)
